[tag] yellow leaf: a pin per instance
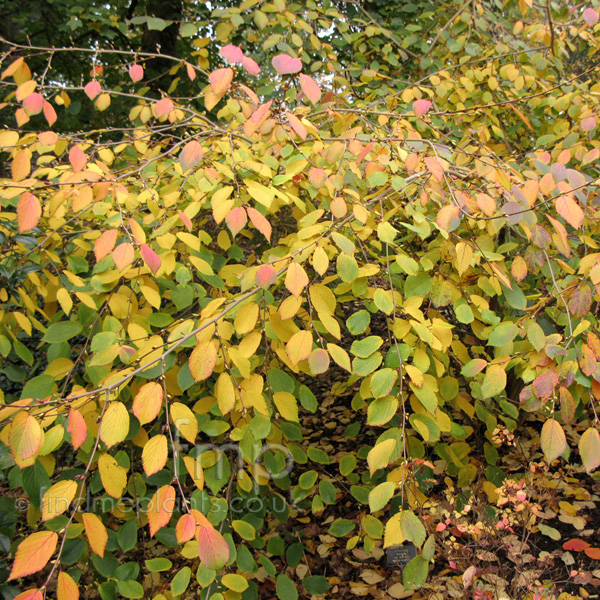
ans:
(185, 421)
(58, 498)
(296, 278)
(147, 402)
(33, 553)
(340, 356)
(393, 532)
(96, 533)
(203, 360)
(115, 424)
(225, 393)
(246, 318)
(66, 588)
(195, 470)
(464, 256)
(113, 476)
(379, 456)
(320, 261)
(160, 508)
(589, 449)
(287, 405)
(553, 439)
(299, 346)
(322, 298)
(155, 454)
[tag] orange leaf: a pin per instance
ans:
(29, 211)
(31, 595)
(435, 167)
(420, 107)
(150, 257)
(66, 588)
(49, 113)
(203, 360)
(92, 89)
(220, 80)
(185, 528)
(96, 533)
(296, 279)
(232, 54)
(260, 222)
(147, 402)
(250, 65)
(236, 219)
(160, 509)
(519, 268)
(310, 88)
(593, 553)
(21, 165)
(449, 217)
(575, 544)
(570, 211)
(77, 427)
(191, 155)
(265, 276)
(33, 104)
(317, 176)
(185, 220)
(296, 125)
(213, 549)
(33, 553)
(77, 158)
(191, 73)
(25, 438)
(123, 255)
(164, 107)
(105, 244)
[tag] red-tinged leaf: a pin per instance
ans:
(434, 167)
(185, 220)
(265, 276)
(519, 268)
(47, 138)
(220, 80)
(105, 243)
(185, 529)
(77, 427)
(33, 553)
(310, 88)
(150, 257)
(66, 588)
(77, 158)
(363, 153)
(147, 402)
(232, 54)
(260, 222)
(593, 553)
(576, 545)
(213, 549)
(449, 217)
(191, 72)
(297, 125)
(580, 301)
(318, 361)
(164, 107)
(26, 437)
(588, 124)
(544, 385)
(589, 449)
(553, 439)
(31, 595)
(296, 279)
(594, 344)
(123, 255)
(590, 16)
(285, 64)
(261, 113)
(486, 204)
(587, 360)
(236, 219)
(191, 155)
(92, 89)
(136, 72)
(33, 104)
(160, 508)
(570, 211)
(251, 95)
(317, 177)
(29, 211)
(251, 66)
(95, 532)
(421, 107)
(49, 113)
(203, 360)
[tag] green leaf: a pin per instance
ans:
(494, 381)
(61, 332)
(358, 322)
(285, 588)
(130, 589)
(412, 528)
(127, 535)
(181, 581)
(154, 565)
(316, 585)
(553, 439)
(244, 530)
(347, 267)
(367, 346)
(503, 334)
(473, 367)
(380, 495)
(415, 573)
(39, 387)
(383, 301)
(382, 410)
(537, 337)
(341, 527)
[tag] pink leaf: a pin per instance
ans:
(185, 219)
(150, 258)
(92, 89)
(317, 177)
(136, 72)
(77, 158)
(191, 72)
(33, 104)
(260, 222)
(232, 54)
(421, 107)
(588, 124)
(29, 211)
(251, 95)
(185, 528)
(221, 79)
(297, 125)
(310, 88)
(590, 16)
(191, 155)
(164, 107)
(49, 113)
(236, 219)
(250, 65)
(123, 255)
(570, 211)
(213, 550)
(265, 276)
(285, 64)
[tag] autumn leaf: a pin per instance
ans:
(105, 243)
(136, 72)
(213, 550)
(220, 80)
(33, 104)
(260, 222)
(185, 530)
(236, 219)
(570, 211)
(310, 88)
(163, 107)
(155, 454)
(285, 64)
(553, 439)
(147, 402)
(123, 255)
(66, 588)
(296, 278)
(29, 212)
(58, 498)
(160, 508)
(77, 427)
(191, 155)
(232, 54)
(420, 107)
(95, 532)
(150, 257)
(115, 424)
(203, 360)
(33, 553)
(589, 449)
(92, 89)
(266, 275)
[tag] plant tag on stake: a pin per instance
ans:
(400, 556)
